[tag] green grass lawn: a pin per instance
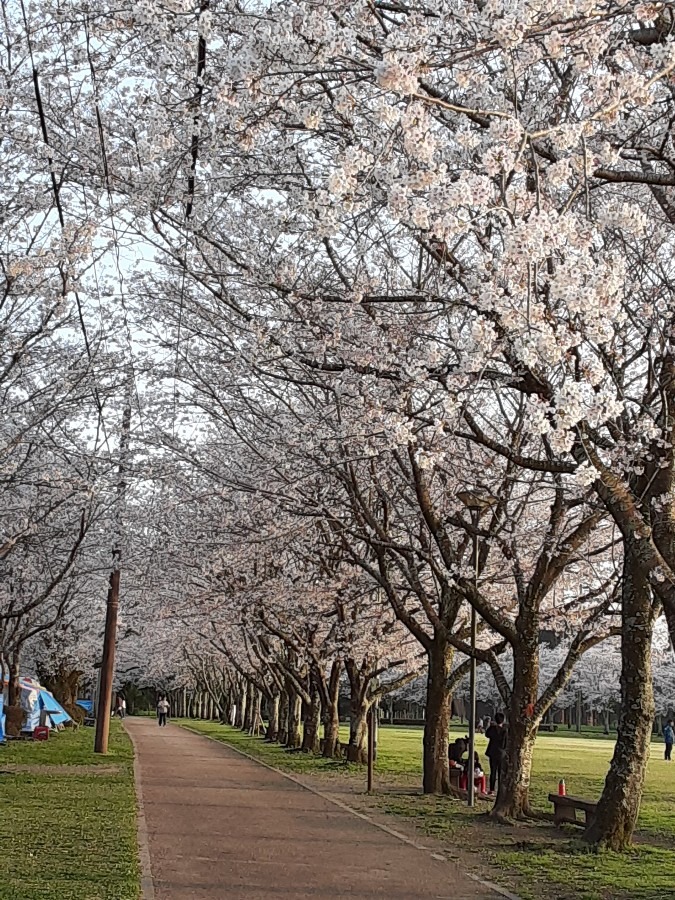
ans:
(539, 860)
(68, 833)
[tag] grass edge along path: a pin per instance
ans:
(538, 860)
(68, 821)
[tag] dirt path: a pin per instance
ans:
(222, 826)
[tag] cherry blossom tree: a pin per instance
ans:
(401, 253)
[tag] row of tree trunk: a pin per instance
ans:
(293, 720)
(194, 704)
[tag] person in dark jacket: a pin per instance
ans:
(669, 738)
(496, 749)
(456, 752)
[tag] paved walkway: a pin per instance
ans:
(221, 826)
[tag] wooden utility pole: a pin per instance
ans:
(112, 604)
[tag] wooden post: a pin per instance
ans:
(112, 604)
(371, 746)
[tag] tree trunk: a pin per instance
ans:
(436, 776)
(222, 707)
(514, 786)
(357, 749)
(247, 724)
(273, 705)
(619, 804)
(311, 719)
(14, 688)
(64, 685)
(513, 797)
(294, 738)
(240, 712)
(359, 683)
(331, 733)
(255, 712)
(282, 736)
(331, 717)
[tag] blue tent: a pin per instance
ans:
(39, 703)
(2, 718)
(55, 711)
(87, 705)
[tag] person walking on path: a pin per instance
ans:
(496, 749)
(162, 711)
(669, 738)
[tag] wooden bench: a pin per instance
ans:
(566, 809)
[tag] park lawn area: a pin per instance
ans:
(534, 859)
(68, 819)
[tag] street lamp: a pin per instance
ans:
(476, 502)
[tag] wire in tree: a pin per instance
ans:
(194, 153)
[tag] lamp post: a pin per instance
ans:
(476, 503)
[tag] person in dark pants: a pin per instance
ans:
(669, 738)
(456, 751)
(162, 711)
(496, 749)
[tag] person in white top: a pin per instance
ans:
(162, 711)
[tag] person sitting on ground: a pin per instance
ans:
(496, 749)
(669, 738)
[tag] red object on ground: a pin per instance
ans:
(41, 733)
(561, 788)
